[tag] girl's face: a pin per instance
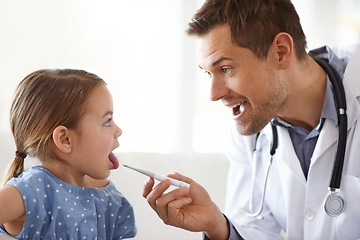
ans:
(95, 137)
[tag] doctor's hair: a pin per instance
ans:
(253, 23)
(44, 100)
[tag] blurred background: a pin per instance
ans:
(139, 48)
(160, 95)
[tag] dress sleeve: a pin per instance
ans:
(125, 224)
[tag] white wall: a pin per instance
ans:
(150, 71)
(330, 22)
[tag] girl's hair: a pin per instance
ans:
(44, 100)
(253, 23)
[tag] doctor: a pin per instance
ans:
(282, 100)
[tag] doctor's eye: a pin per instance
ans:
(226, 70)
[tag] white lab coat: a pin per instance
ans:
(292, 203)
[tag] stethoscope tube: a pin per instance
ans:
(273, 148)
(340, 102)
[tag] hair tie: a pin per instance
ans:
(20, 154)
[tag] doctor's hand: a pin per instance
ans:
(191, 209)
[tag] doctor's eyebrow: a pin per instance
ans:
(216, 62)
(220, 60)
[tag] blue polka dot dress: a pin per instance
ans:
(58, 210)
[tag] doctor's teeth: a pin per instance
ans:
(235, 105)
(241, 108)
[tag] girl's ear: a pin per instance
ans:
(61, 139)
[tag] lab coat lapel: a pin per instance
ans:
(286, 154)
(329, 134)
(352, 87)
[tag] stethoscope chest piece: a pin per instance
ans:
(334, 204)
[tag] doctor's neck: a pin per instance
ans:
(306, 92)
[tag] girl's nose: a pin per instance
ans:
(118, 131)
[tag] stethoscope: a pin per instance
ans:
(334, 202)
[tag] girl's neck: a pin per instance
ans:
(67, 174)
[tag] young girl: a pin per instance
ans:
(64, 118)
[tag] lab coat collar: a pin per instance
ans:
(329, 134)
(338, 62)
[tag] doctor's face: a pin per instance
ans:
(244, 83)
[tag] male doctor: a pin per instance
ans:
(254, 53)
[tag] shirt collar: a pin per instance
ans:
(329, 110)
(327, 54)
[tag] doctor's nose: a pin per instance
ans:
(218, 89)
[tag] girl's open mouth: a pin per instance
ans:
(114, 161)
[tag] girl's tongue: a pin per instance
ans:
(114, 160)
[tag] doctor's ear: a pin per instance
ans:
(283, 49)
(61, 139)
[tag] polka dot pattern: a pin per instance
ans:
(58, 210)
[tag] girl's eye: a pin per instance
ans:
(107, 123)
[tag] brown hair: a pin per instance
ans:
(44, 100)
(253, 23)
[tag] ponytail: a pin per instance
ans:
(15, 168)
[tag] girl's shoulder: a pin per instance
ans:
(32, 176)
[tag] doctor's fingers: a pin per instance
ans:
(152, 194)
(172, 202)
(148, 187)
(180, 177)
